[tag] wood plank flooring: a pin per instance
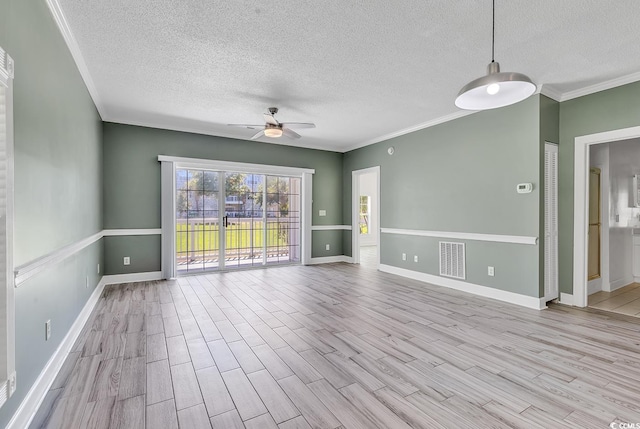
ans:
(339, 346)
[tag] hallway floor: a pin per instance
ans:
(625, 300)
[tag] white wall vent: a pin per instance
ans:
(452, 263)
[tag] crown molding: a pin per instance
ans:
(550, 92)
(202, 129)
(602, 86)
(72, 44)
(428, 124)
(74, 48)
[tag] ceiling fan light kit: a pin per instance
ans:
(274, 132)
(496, 89)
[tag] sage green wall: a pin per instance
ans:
(132, 184)
(461, 176)
(603, 111)
(58, 201)
(549, 132)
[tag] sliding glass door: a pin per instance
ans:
(197, 220)
(251, 220)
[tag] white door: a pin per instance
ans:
(550, 221)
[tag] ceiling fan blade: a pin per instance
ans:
(250, 126)
(269, 119)
(298, 124)
(258, 135)
(290, 133)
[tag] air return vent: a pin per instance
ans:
(452, 260)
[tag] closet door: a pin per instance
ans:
(550, 221)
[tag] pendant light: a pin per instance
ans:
(496, 89)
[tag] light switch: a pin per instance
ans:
(322, 213)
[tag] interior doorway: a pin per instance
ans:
(582, 215)
(366, 217)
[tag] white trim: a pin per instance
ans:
(133, 231)
(184, 125)
(8, 358)
(442, 119)
(168, 262)
(566, 298)
(31, 268)
(76, 53)
(330, 260)
(580, 198)
(625, 281)
(594, 286)
(355, 212)
(330, 227)
(602, 86)
(27, 410)
(513, 239)
(210, 164)
(551, 93)
(307, 215)
(487, 292)
(28, 270)
(132, 277)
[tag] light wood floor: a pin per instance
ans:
(625, 300)
(340, 346)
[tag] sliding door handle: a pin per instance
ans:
(225, 221)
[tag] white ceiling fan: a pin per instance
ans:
(274, 129)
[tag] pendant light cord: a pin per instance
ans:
(493, 32)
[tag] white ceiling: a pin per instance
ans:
(361, 70)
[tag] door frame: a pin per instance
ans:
(580, 207)
(355, 213)
(168, 200)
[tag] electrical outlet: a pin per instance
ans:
(415, 258)
(404, 256)
(47, 330)
(491, 271)
(127, 260)
(328, 247)
(98, 268)
(87, 282)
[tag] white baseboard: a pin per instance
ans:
(487, 292)
(594, 286)
(132, 277)
(30, 404)
(330, 260)
(566, 298)
(620, 283)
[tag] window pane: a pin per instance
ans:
(210, 179)
(195, 180)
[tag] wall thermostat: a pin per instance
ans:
(524, 188)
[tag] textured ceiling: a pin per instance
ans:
(360, 70)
